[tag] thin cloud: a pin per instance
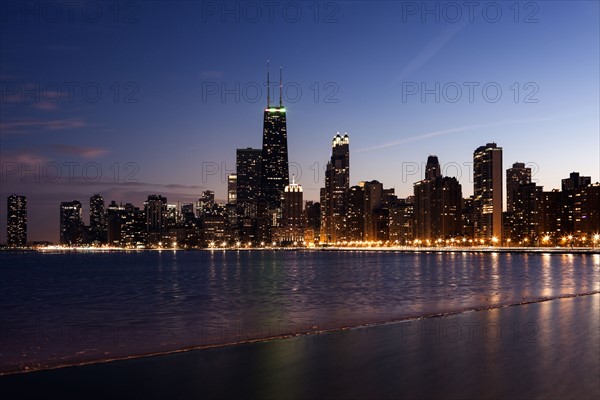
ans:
(447, 131)
(430, 50)
(24, 158)
(35, 125)
(46, 106)
(81, 151)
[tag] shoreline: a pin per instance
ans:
(394, 249)
(299, 334)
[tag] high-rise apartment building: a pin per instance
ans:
(232, 189)
(516, 176)
(98, 230)
(487, 192)
(71, 223)
(16, 221)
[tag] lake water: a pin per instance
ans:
(67, 308)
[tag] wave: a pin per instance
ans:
(41, 367)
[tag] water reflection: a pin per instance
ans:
(168, 300)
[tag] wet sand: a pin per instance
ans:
(549, 349)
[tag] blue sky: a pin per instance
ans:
(179, 83)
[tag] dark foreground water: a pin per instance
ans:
(70, 308)
(546, 350)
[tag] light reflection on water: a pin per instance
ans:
(60, 308)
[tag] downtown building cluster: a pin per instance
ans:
(264, 208)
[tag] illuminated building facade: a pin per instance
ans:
(274, 175)
(71, 223)
(98, 229)
(487, 192)
(334, 206)
(16, 221)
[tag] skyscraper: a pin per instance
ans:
(248, 168)
(232, 189)
(515, 176)
(115, 216)
(487, 192)
(274, 176)
(133, 227)
(187, 213)
(586, 210)
(528, 205)
(575, 181)
(71, 223)
(373, 192)
(16, 221)
(156, 218)
(401, 213)
(312, 222)
(337, 184)
(423, 192)
(356, 213)
(432, 169)
(292, 221)
(205, 203)
(438, 204)
(98, 232)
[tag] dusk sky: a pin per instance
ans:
(162, 118)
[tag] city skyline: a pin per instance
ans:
(438, 208)
(272, 114)
(172, 134)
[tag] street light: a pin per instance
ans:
(545, 240)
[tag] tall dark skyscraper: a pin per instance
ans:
(274, 175)
(516, 176)
(337, 184)
(487, 192)
(248, 168)
(155, 209)
(98, 230)
(248, 180)
(16, 221)
(114, 221)
(71, 223)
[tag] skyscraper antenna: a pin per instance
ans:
(280, 87)
(268, 87)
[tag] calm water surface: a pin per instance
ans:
(66, 308)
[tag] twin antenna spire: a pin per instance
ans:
(280, 87)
